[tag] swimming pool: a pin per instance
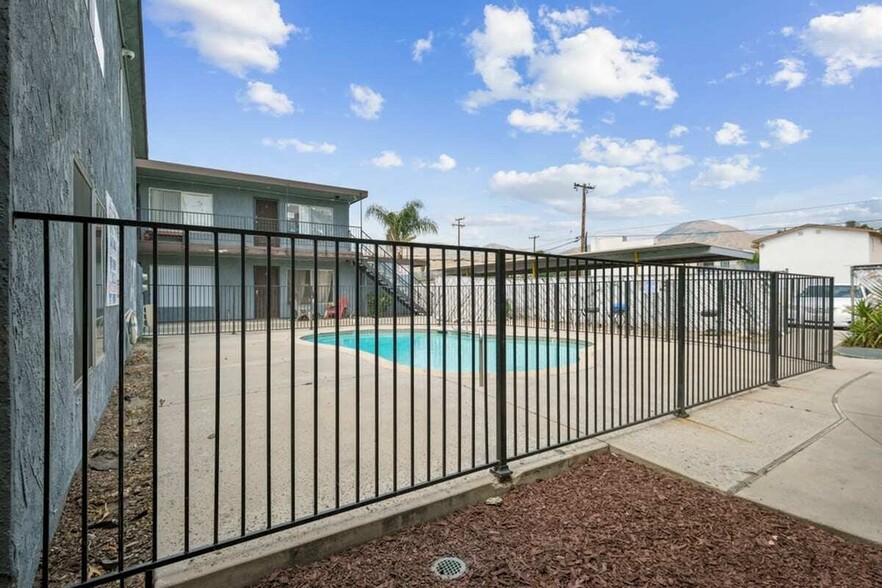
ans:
(521, 353)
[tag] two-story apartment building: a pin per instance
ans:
(301, 274)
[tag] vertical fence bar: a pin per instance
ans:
(268, 310)
(84, 464)
(774, 328)
(681, 342)
(315, 375)
(501, 469)
(292, 317)
(428, 364)
(338, 311)
(242, 391)
(154, 360)
(217, 387)
(121, 408)
(376, 370)
(186, 391)
(444, 362)
(394, 368)
(411, 301)
(829, 323)
(474, 357)
(358, 311)
(47, 402)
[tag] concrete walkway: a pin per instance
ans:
(811, 448)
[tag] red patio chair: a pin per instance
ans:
(339, 311)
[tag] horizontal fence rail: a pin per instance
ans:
(286, 389)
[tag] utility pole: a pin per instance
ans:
(459, 225)
(533, 237)
(583, 236)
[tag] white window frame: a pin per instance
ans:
(203, 217)
(97, 286)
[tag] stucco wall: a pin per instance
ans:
(816, 251)
(61, 108)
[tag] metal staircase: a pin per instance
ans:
(379, 263)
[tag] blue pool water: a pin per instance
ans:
(522, 353)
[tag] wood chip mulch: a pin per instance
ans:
(65, 548)
(608, 522)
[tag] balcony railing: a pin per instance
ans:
(228, 221)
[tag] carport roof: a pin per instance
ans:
(673, 253)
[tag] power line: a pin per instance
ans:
(606, 233)
(778, 228)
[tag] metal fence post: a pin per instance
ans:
(681, 342)
(501, 470)
(774, 328)
(830, 365)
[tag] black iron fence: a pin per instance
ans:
(274, 406)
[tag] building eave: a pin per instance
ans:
(163, 170)
(132, 30)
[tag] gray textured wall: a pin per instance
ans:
(60, 108)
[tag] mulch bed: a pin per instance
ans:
(65, 548)
(608, 522)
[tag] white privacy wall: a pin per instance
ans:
(819, 251)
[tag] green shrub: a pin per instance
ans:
(866, 324)
(378, 306)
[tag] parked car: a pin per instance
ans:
(811, 305)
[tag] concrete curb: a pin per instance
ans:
(247, 563)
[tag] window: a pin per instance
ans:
(172, 206)
(310, 220)
(89, 337)
(97, 37)
(304, 287)
(171, 286)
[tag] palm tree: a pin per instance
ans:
(405, 224)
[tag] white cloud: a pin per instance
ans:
(235, 35)
(730, 134)
(445, 163)
(300, 146)
(790, 75)
(560, 70)
(507, 34)
(787, 31)
(387, 159)
(421, 47)
(558, 22)
(678, 131)
(267, 99)
(608, 119)
(737, 73)
(786, 132)
(366, 103)
(543, 121)
(552, 187)
(848, 43)
(645, 154)
(728, 172)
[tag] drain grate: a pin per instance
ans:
(449, 568)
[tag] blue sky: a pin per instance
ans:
(674, 110)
